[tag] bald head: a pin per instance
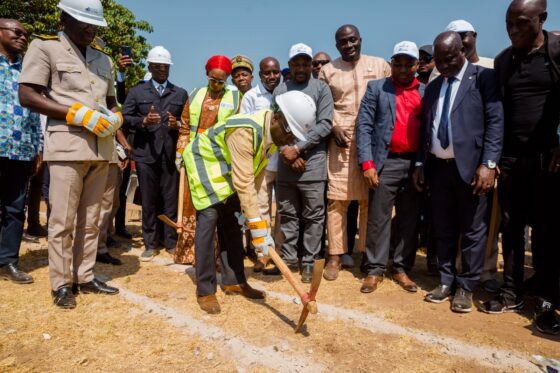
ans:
(524, 23)
(348, 42)
(346, 28)
(449, 53)
(13, 38)
(269, 72)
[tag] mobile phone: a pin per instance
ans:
(126, 50)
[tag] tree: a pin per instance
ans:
(43, 17)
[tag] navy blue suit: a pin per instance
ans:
(477, 123)
(374, 131)
(153, 149)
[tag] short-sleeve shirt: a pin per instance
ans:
(58, 65)
(20, 128)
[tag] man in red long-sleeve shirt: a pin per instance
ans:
(388, 128)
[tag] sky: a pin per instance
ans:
(193, 31)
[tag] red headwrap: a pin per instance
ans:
(219, 62)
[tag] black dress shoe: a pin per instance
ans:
(462, 301)
(274, 271)
(124, 234)
(12, 273)
(64, 298)
(306, 273)
(108, 259)
(439, 294)
(96, 287)
(545, 318)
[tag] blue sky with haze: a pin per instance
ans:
(195, 30)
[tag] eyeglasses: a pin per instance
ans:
(19, 32)
(426, 58)
(217, 81)
(320, 62)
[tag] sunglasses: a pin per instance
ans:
(426, 58)
(217, 81)
(19, 32)
(320, 62)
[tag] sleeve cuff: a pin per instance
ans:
(302, 146)
(367, 165)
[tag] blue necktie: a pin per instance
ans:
(160, 89)
(443, 130)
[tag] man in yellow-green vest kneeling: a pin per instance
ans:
(224, 167)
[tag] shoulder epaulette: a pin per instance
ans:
(48, 37)
(98, 48)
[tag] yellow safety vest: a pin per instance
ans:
(229, 105)
(208, 161)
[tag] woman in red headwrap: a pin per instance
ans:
(208, 105)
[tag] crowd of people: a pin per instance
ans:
(438, 147)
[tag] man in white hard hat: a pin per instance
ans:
(225, 166)
(78, 141)
(302, 172)
(153, 110)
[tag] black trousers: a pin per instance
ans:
(352, 225)
(159, 185)
(222, 216)
(120, 216)
(457, 212)
(530, 195)
(14, 179)
(395, 189)
(34, 198)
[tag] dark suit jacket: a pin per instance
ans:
(150, 141)
(376, 121)
(477, 120)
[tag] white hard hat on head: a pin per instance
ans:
(159, 54)
(86, 11)
(299, 110)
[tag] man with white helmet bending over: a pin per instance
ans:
(71, 83)
(153, 111)
(225, 166)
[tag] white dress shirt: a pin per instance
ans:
(156, 85)
(436, 148)
(255, 99)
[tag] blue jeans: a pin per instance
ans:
(14, 177)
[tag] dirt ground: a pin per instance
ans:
(155, 323)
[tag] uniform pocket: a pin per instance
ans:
(70, 76)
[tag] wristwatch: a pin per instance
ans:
(490, 164)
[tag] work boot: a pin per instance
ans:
(244, 289)
(332, 268)
(209, 304)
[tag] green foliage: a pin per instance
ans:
(43, 17)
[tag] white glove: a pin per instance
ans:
(260, 234)
(178, 160)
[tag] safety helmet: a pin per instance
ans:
(159, 54)
(299, 110)
(87, 11)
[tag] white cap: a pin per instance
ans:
(159, 54)
(86, 11)
(300, 48)
(406, 47)
(460, 25)
(299, 110)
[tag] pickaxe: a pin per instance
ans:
(307, 298)
(179, 224)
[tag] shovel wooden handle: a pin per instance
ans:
(180, 200)
(288, 275)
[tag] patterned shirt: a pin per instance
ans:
(20, 129)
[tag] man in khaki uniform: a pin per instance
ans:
(77, 81)
(347, 77)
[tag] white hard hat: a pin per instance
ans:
(459, 25)
(299, 110)
(407, 48)
(87, 11)
(159, 54)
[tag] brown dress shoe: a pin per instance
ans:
(370, 283)
(405, 282)
(332, 268)
(244, 289)
(209, 304)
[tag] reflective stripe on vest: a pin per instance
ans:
(229, 105)
(208, 161)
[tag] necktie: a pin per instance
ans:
(160, 89)
(443, 130)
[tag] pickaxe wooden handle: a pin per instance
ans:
(179, 224)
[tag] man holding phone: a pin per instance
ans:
(152, 110)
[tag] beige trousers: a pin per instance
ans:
(109, 206)
(75, 192)
(337, 212)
